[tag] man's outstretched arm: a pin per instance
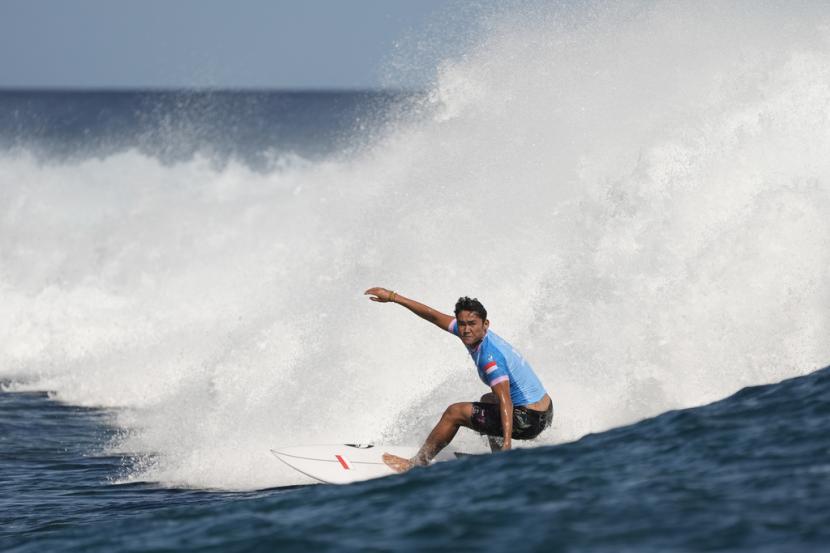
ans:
(427, 313)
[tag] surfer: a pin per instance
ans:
(518, 407)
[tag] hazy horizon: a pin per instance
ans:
(319, 45)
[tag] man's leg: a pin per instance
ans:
(495, 442)
(454, 417)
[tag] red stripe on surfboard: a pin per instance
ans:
(343, 462)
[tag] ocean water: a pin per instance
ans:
(638, 192)
(748, 473)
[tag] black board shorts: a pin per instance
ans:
(527, 423)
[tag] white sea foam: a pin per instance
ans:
(638, 193)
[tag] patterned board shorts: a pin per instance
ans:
(527, 423)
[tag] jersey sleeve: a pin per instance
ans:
(494, 368)
(453, 327)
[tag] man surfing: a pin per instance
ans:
(518, 405)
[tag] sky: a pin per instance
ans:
(300, 44)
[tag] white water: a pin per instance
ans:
(639, 195)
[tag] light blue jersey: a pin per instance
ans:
(497, 361)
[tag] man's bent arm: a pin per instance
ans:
(502, 392)
(426, 312)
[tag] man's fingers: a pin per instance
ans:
(375, 294)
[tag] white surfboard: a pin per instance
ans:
(345, 463)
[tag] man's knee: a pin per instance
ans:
(457, 412)
(489, 397)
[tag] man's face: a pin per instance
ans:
(471, 328)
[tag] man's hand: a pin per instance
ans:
(378, 294)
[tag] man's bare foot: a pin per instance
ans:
(398, 464)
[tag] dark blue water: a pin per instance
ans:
(748, 473)
(256, 127)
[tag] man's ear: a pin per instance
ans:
(486, 324)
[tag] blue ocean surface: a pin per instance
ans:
(173, 125)
(748, 473)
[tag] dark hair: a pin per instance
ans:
(467, 304)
